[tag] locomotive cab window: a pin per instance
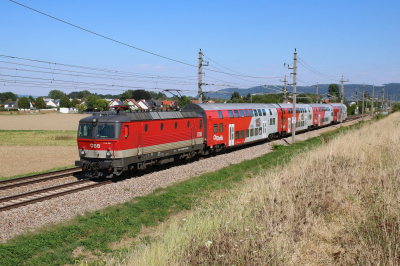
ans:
(105, 131)
(230, 114)
(220, 115)
(85, 130)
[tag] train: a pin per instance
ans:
(111, 143)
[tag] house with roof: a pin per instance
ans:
(133, 105)
(167, 103)
(194, 101)
(50, 103)
(154, 104)
(143, 104)
(12, 104)
(114, 102)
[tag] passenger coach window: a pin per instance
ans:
(230, 114)
(259, 112)
(255, 112)
(242, 134)
(220, 115)
(237, 135)
(221, 127)
(251, 112)
(241, 113)
(236, 113)
(247, 133)
(85, 130)
(246, 112)
(106, 131)
(215, 128)
(256, 129)
(264, 112)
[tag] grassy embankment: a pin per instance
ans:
(336, 204)
(37, 138)
(99, 232)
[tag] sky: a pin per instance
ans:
(356, 39)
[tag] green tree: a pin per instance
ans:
(126, 95)
(229, 101)
(8, 100)
(31, 98)
(24, 103)
(241, 100)
(333, 90)
(81, 94)
(56, 94)
(141, 94)
(235, 95)
(64, 102)
(183, 101)
(4, 96)
(81, 108)
(248, 97)
(101, 104)
(91, 101)
(40, 104)
(74, 102)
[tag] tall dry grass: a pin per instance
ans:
(336, 204)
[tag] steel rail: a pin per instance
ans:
(22, 178)
(40, 191)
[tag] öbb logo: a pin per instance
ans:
(94, 145)
(218, 137)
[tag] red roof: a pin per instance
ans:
(194, 101)
(166, 102)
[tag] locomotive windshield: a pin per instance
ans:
(85, 130)
(105, 131)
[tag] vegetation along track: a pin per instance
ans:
(31, 197)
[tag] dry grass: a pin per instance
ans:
(17, 160)
(40, 121)
(337, 204)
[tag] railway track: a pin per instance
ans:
(32, 179)
(31, 197)
(19, 200)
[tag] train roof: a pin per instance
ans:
(226, 106)
(138, 116)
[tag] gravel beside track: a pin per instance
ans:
(16, 221)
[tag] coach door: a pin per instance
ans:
(231, 134)
(289, 124)
(319, 120)
(264, 135)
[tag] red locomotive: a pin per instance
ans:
(110, 144)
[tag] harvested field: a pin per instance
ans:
(39, 121)
(17, 160)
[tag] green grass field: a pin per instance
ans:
(37, 138)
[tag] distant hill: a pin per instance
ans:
(349, 90)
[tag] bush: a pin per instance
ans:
(6, 110)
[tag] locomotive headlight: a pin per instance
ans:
(83, 152)
(108, 153)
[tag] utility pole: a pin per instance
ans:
(357, 99)
(387, 101)
(317, 93)
(383, 97)
(372, 104)
(284, 89)
(363, 101)
(341, 102)
(294, 95)
(200, 89)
